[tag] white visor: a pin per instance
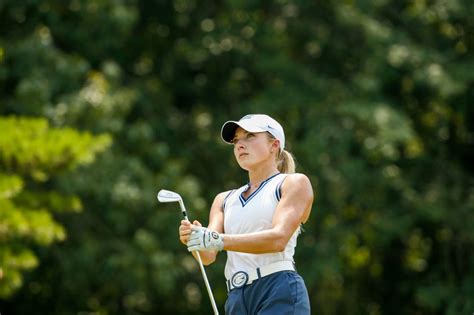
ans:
(254, 123)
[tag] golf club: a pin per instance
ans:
(171, 196)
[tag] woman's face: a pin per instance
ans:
(252, 149)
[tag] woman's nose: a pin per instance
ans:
(239, 143)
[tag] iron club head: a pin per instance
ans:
(170, 196)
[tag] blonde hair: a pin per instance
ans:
(286, 162)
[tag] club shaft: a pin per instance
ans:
(201, 266)
(208, 286)
(183, 210)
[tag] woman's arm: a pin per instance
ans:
(292, 210)
(216, 223)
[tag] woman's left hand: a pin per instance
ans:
(204, 239)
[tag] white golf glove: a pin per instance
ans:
(204, 239)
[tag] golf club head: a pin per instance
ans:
(168, 196)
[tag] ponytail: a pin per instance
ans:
(285, 160)
(286, 163)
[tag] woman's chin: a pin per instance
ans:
(243, 165)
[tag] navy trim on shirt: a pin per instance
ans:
(244, 201)
(278, 189)
(227, 197)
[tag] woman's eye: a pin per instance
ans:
(246, 136)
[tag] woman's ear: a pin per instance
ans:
(275, 145)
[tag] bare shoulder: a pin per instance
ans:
(220, 197)
(298, 179)
(298, 191)
(298, 184)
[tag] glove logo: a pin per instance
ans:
(215, 235)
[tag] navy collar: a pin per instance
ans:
(244, 201)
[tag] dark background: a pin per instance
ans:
(103, 103)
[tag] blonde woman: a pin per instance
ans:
(258, 223)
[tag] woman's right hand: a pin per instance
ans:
(185, 230)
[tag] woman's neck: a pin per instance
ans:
(256, 177)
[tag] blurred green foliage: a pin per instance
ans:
(376, 101)
(30, 153)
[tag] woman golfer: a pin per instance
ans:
(258, 223)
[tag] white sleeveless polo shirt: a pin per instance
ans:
(252, 215)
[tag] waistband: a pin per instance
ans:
(242, 278)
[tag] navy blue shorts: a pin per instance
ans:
(280, 293)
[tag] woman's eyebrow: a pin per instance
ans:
(243, 133)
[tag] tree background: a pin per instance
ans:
(103, 103)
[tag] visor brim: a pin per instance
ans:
(229, 128)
